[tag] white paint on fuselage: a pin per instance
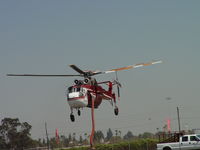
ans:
(77, 99)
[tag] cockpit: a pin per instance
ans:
(72, 89)
(76, 91)
(77, 96)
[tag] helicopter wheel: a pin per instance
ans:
(116, 111)
(72, 117)
(79, 112)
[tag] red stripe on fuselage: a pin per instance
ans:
(75, 98)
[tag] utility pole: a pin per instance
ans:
(179, 125)
(48, 144)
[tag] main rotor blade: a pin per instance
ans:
(133, 66)
(77, 69)
(43, 75)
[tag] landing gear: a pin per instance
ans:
(72, 117)
(79, 112)
(116, 111)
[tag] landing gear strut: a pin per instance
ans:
(72, 117)
(79, 112)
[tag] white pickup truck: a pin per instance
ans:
(186, 142)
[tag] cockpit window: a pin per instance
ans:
(78, 89)
(70, 89)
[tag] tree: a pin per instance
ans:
(44, 142)
(74, 137)
(53, 143)
(109, 134)
(40, 143)
(80, 139)
(24, 135)
(15, 135)
(70, 137)
(98, 136)
(128, 135)
(8, 130)
(85, 135)
(85, 141)
(116, 132)
(146, 135)
(64, 141)
(2, 143)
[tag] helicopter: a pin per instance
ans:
(90, 93)
(84, 92)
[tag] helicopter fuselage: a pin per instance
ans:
(79, 96)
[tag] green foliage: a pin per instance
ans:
(109, 134)
(64, 141)
(70, 137)
(140, 144)
(15, 135)
(128, 136)
(98, 136)
(146, 135)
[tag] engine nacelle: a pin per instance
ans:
(86, 80)
(76, 82)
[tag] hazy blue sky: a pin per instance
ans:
(46, 36)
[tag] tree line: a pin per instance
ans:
(16, 135)
(110, 137)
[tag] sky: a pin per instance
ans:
(45, 37)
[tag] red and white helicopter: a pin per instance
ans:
(88, 92)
